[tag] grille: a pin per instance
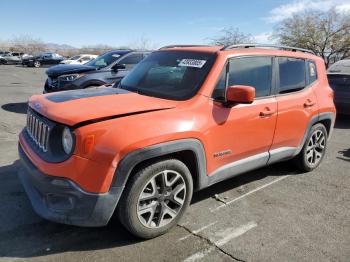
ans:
(38, 131)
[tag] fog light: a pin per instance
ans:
(57, 202)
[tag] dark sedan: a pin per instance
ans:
(339, 80)
(44, 59)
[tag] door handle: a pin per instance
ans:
(267, 112)
(309, 103)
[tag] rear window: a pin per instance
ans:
(291, 74)
(312, 71)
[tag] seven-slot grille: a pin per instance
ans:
(38, 130)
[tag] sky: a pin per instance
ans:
(161, 22)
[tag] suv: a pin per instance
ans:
(183, 119)
(79, 59)
(39, 60)
(339, 80)
(11, 58)
(108, 68)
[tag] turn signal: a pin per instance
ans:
(88, 144)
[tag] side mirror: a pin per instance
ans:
(117, 67)
(239, 94)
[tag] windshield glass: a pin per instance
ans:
(104, 60)
(173, 75)
(76, 57)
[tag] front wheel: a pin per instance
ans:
(314, 149)
(155, 198)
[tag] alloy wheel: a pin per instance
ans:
(161, 199)
(315, 148)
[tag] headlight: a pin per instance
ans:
(71, 77)
(67, 140)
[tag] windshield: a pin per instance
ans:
(173, 75)
(76, 57)
(104, 60)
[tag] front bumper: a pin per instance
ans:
(61, 200)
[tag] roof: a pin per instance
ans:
(340, 68)
(245, 49)
(194, 48)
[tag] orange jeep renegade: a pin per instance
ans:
(183, 119)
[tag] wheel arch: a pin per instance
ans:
(325, 118)
(189, 151)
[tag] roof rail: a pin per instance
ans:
(175, 46)
(281, 47)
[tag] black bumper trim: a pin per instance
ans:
(61, 200)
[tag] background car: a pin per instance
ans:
(339, 80)
(108, 68)
(42, 59)
(11, 58)
(79, 59)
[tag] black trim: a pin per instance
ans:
(79, 94)
(129, 162)
(315, 119)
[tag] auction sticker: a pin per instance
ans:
(192, 63)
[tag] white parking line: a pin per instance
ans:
(250, 192)
(228, 234)
(197, 231)
(199, 255)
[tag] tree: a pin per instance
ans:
(327, 34)
(27, 44)
(143, 43)
(232, 36)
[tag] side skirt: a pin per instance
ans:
(250, 163)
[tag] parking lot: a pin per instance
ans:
(272, 214)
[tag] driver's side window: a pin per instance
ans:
(131, 60)
(219, 91)
(47, 56)
(248, 71)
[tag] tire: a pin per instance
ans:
(171, 201)
(36, 64)
(314, 149)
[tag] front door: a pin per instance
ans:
(241, 136)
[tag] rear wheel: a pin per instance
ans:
(37, 64)
(155, 198)
(314, 149)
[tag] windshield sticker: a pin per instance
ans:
(192, 63)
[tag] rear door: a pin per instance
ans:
(296, 103)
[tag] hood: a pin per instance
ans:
(62, 69)
(95, 104)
